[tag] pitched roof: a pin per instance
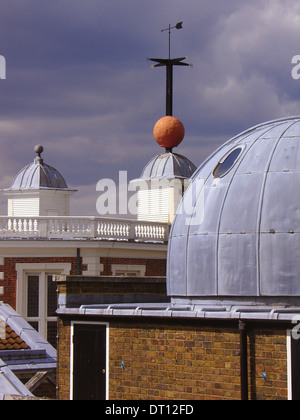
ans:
(25, 331)
(21, 349)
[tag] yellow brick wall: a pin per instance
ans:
(63, 359)
(177, 361)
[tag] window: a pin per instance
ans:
(128, 270)
(33, 290)
(36, 295)
(227, 163)
(127, 273)
(42, 304)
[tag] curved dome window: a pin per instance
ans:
(226, 164)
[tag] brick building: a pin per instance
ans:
(38, 239)
(230, 330)
(156, 353)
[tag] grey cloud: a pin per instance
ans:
(78, 81)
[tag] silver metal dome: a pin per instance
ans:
(241, 237)
(38, 175)
(168, 165)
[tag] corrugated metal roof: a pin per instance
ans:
(168, 166)
(38, 175)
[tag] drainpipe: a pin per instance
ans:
(78, 268)
(243, 361)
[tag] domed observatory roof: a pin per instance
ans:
(236, 236)
(38, 175)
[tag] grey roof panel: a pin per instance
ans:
(168, 166)
(10, 384)
(246, 240)
(39, 175)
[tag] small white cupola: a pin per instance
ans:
(38, 190)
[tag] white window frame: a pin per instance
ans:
(106, 324)
(43, 317)
(42, 270)
(139, 270)
(289, 363)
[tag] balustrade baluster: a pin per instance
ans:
(60, 227)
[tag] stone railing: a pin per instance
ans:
(83, 227)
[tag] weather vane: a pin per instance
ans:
(169, 64)
(177, 26)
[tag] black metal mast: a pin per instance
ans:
(169, 64)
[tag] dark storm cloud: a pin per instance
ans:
(78, 80)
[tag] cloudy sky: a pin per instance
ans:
(78, 81)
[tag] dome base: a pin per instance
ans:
(250, 302)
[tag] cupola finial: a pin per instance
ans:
(38, 150)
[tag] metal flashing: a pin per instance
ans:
(259, 313)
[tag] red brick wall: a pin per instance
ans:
(10, 274)
(154, 267)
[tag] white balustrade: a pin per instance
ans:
(82, 227)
